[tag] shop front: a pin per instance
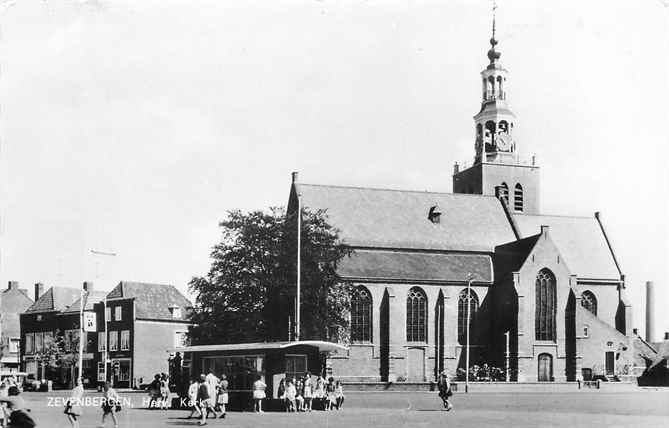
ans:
(243, 363)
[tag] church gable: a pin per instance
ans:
(580, 240)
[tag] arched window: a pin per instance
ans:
(544, 319)
(416, 315)
(518, 198)
(504, 193)
(589, 302)
(462, 312)
(361, 315)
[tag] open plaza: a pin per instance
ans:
(579, 408)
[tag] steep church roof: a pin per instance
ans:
(415, 266)
(580, 241)
(398, 219)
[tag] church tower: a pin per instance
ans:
(497, 169)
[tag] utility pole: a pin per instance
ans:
(299, 270)
(470, 278)
(104, 309)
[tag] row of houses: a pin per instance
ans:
(135, 324)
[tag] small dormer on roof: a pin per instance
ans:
(175, 310)
(435, 214)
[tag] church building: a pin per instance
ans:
(545, 293)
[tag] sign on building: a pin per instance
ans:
(90, 323)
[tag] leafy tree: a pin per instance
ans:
(60, 351)
(249, 291)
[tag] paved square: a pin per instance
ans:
(643, 408)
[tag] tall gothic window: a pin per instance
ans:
(544, 320)
(462, 312)
(518, 198)
(504, 192)
(361, 315)
(589, 302)
(416, 315)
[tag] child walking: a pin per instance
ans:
(258, 394)
(110, 404)
(445, 392)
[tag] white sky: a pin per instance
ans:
(132, 126)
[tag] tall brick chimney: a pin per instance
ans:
(13, 285)
(650, 310)
(39, 290)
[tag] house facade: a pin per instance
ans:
(13, 301)
(135, 324)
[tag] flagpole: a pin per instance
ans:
(81, 334)
(299, 245)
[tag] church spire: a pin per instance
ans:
(493, 55)
(495, 121)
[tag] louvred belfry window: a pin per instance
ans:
(518, 198)
(361, 315)
(416, 315)
(544, 321)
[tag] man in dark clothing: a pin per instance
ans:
(445, 392)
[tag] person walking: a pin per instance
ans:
(212, 386)
(330, 398)
(110, 404)
(222, 399)
(258, 394)
(291, 394)
(154, 391)
(308, 391)
(445, 393)
(192, 399)
(339, 394)
(18, 415)
(281, 394)
(73, 405)
(164, 392)
(203, 399)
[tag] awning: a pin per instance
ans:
(321, 345)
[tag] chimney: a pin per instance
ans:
(544, 229)
(13, 285)
(666, 336)
(88, 286)
(39, 290)
(635, 331)
(650, 310)
(295, 176)
(456, 168)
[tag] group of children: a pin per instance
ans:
(298, 395)
(208, 394)
(159, 391)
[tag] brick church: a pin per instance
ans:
(547, 294)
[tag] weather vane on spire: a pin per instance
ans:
(494, 9)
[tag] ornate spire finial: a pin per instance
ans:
(493, 55)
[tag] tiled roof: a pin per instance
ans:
(55, 299)
(93, 298)
(398, 219)
(580, 241)
(12, 303)
(402, 265)
(152, 301)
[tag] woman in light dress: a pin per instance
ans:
(308, 391)
(258, 394)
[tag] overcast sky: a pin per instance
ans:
(132, 126)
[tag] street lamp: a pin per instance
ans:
(470, 278)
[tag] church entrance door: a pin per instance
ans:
(545, 368)
(416, 364)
